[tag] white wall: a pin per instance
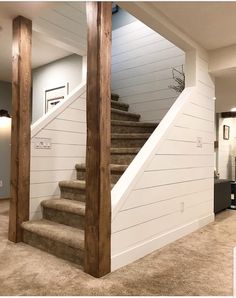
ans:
(141, 70)
(167, 191)
(5, 139)
(65, 126)
(227, 149)
(57, 73)
(225, 94)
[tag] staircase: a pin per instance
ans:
(61, 231)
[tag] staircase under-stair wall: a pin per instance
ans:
(167, 191)
(60, 231)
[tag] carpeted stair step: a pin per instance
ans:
(67, 212)
(73, 190)
(123, 115)
(116, 171)
(119, 105)
(119, 126)
(126, 140)
(115, 97)
(60, 240)
(123, 155)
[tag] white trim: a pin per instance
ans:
(155, 243)
(125, 184)
(47, 118)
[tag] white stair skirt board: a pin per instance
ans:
(142, 249)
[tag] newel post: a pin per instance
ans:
(98, 188)
(20, 136)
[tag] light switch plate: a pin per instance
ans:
(40, 143)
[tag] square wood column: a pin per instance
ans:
(20, 137)
(98, 186)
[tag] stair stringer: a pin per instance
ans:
(147, 209)
(65, 126)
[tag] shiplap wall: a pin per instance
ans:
(67, 132)
(227, 149)
(172, 194)
(142, 62)
(64, 23)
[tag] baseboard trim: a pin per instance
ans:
(1, 199)
(145, 248)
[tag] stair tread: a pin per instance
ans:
(125, 150)
(121, 104)
(130, 135)
(114, 95)
(113, 167)
(133, 123)
(71, 206)
(125, 113)
(77, 184)
(70, 236)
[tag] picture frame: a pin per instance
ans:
(55, 95)
(226, 132)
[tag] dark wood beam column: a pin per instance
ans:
(98, 188)
(20, 137)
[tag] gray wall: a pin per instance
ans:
(68, 69)
(121, 18)
(5, 136)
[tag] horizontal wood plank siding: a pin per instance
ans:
(67, 133)
(172, 195)
(141, 70)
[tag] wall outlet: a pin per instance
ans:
(1, 183)
(199, 142)
(182, 207)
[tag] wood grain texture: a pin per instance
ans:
(98, 194)
(20, 138)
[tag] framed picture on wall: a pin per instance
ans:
(226, 132)
(55, 95)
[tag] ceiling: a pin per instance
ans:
(59, 29)
(211, 24)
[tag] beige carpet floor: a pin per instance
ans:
(198, 264)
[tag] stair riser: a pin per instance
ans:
(65, 218)
(81, 175)
(131, 143)
(72, 194)
(122, 159)
(131, 129)
(116, 105)
(56, 248)
(117, 116)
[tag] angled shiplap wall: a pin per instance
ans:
(67, 133)
(141, 70)
(172, 193)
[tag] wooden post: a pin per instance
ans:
(98, 187)
(20, 137)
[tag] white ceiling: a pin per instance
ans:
(211, 24)
(59, 29)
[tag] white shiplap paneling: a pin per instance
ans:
(141, 70)
(66, 129)
(167, 191)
